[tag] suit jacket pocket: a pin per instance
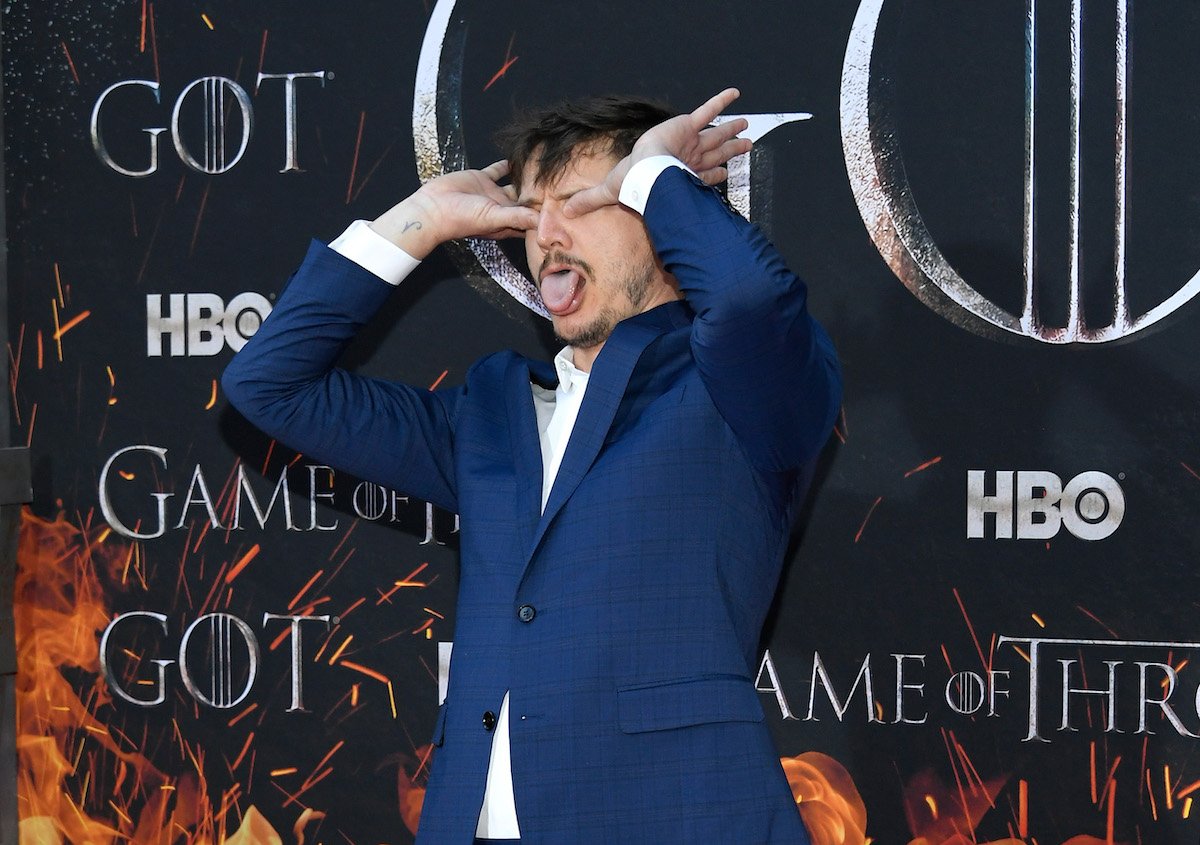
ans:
(439, 726)
(682, 702)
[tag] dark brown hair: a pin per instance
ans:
(550, 135)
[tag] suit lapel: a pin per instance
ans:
(606, 388)
(523, 435)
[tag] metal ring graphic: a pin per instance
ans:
(875, 166)
(439, 147)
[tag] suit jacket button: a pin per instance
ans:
(489, 720)
(526, 612)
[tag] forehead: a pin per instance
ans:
(585, 168)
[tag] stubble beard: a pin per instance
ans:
(635, 286)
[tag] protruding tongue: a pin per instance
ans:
(558, 291)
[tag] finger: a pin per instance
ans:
(589, 200)
(705, 114)
(723, 153)
(505, 233)
(496, 171)
(516, 218)
(715, 136)
(502, 195)
(713, 175)
(499, 218)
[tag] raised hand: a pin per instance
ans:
(463, 204)
(688, 137)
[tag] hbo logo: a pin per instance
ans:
(1091, 505)
(197, 324)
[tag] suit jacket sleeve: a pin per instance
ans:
(284, 380)
(769, 366)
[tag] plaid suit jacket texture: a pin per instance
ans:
(624, 619)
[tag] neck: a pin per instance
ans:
(584, 358)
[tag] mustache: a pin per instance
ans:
(559, 257)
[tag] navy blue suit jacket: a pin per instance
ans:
(649, 574)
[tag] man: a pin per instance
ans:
(624, 513)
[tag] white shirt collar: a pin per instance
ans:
(570, 377)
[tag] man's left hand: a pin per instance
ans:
(687, 137)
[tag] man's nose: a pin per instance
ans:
(552, 230)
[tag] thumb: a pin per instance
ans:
(589, 200)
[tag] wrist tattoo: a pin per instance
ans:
(411, 224)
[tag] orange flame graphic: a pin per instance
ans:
(944, 815)
(411, 794)
(80, 779)
(830, 805)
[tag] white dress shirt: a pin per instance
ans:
(556, 411)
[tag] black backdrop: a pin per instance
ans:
(899, 658)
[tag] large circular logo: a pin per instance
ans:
(876, 167)
(437, 136)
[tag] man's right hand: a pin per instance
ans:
(463, 204)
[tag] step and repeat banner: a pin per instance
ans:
(991, 609)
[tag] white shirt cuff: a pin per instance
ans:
(635, 188)
(374, 253)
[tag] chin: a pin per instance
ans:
(584, 334)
